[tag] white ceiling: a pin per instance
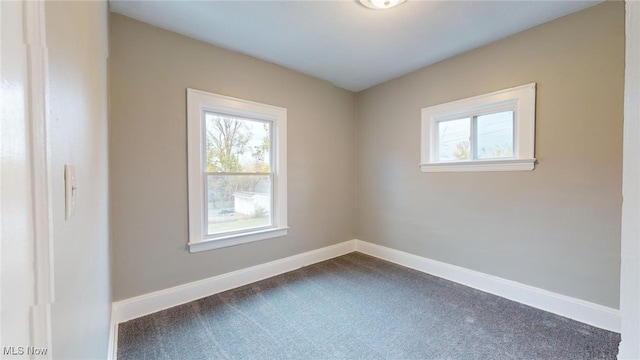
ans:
(342, 41)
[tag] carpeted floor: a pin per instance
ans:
(359, 307)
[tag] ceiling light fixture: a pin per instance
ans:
(381, 4)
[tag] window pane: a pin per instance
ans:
(453, 140)
(495, 135)
(237, 145)
(238, 202)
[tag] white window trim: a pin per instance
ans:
(523, 101)
(199, 101)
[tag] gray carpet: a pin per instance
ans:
(359, 307)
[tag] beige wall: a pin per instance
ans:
(77, 43)
(149, 71)
(556, 228)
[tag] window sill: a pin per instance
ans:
(236, 239)
(480, 165)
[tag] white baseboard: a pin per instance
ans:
(138, 306)
(112, 351)
(580, 310)
(593, 314)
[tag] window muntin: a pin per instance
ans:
(237, 171)
(492, 132)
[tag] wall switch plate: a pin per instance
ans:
(69, 191)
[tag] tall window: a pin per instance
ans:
(237, 171)
(491, 132)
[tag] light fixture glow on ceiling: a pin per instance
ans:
(381, 4)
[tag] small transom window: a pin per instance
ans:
(492, 132)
